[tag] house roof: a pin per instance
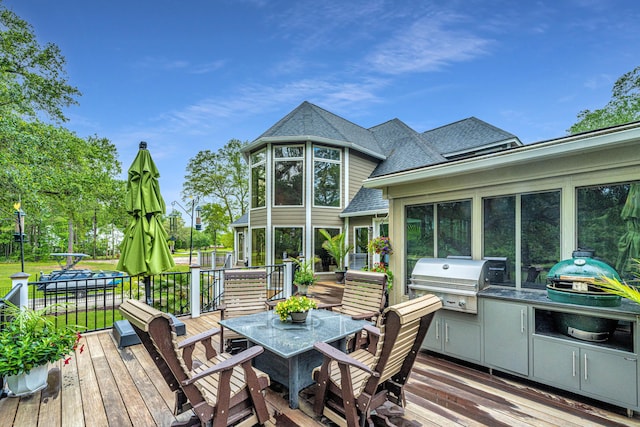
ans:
(310, 122)
(469, 136)
(404, 148)
(243, 221)
(367, 201)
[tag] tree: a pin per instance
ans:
(60, 177)
(213, 215)
(624, 106)
(221, 176)
(32, 77)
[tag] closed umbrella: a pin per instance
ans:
(144, 250)
(629, 243)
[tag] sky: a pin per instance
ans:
(190, 75)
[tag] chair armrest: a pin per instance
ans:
(198, 338)
(342, 358)
(368, 341)
(327, 306)
(228, 364)
(188, 346)
(271, 304)
(365, 316)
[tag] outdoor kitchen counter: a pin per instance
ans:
(525, 333)
(539, 297)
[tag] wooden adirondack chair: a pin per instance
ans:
(364, 295)
(245, 292)
(224, 390)
(350, 386)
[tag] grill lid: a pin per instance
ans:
(581, 267)
(450, 272)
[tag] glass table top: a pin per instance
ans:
(287, 339)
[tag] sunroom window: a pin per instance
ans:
(288, 175)
(326, 176)
(258, 179)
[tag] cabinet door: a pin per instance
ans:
(506, 337)
(556, 363)
(433, 339)
(609, 375)
(461, 338)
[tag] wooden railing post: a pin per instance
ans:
(195, 290)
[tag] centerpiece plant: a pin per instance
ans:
(30, 339)
(294, 304)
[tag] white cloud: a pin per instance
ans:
(427, 45)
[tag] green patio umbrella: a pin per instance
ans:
(629, 243)
(144, 250)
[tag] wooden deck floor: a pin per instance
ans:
(107, 386)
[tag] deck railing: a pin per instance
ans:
(95, 306)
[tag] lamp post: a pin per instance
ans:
(193, 203)
(19, 234)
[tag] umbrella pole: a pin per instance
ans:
(147, 290)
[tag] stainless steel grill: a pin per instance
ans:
(455, 281)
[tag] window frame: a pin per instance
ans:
(277, 159)
(338, 162)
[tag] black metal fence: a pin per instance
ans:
(211, 285)
(93, 303)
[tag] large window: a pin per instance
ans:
(326, 177)
(499, 235)
(326, 260)
(288, 175)
(258, 179)
(258, 247)
(445, 226)
(360, 257)
(608, 217)
(538, 236)
(287, 240)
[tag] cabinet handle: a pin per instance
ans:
(573, 363)
(446, 332)
(586, 369)
(437, 329)
(522, 321)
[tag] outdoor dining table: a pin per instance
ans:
(289, 356)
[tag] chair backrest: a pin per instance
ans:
(245, 292)
(364, 292)
(402, 329)
(141, 316)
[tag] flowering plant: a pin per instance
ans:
(295, 304)
(30, 339)
(380, 267)
(380, 245)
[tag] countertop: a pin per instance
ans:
(539, 297)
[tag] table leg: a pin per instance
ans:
(294, 382)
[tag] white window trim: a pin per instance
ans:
(313, 175)
(275, 159)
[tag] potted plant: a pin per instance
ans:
(338, 248)
(297, 307)
(304, 277)
(29, 340)
(382, 246)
